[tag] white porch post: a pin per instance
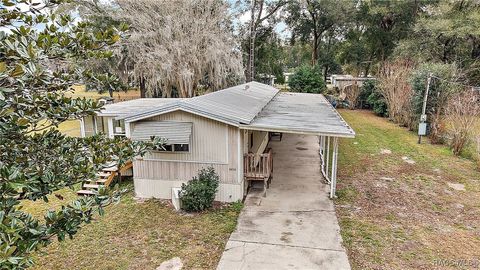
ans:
(328, 157)
(333, 178)
(95, 127)
(322, 154)
(240, 150)
(110, 127)
(82, 127)
(127, 129)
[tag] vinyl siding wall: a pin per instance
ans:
(212, 144)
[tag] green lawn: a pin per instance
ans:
(139, 235)
(70, 128)
(396, 215)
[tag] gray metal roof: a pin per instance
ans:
(173, 132)
(235, 105)
(252, 105)
(301, 113)
(135, 106)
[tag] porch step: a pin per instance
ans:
(94, 186)
(91, 186)
(85, 192)
(103, 174)
(101, 181)
(110, 169)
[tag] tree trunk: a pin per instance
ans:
(315, 50)
(475, 53)
(143, 90)
(325, 71)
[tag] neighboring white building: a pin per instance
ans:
(287, 76)
(341, 81)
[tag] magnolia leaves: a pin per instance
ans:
(37, 69)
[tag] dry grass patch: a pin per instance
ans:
(396, 215)
(80, 91)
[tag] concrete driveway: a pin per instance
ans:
(295, 226)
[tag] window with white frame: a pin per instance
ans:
(118, 127)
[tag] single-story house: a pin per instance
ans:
(227, 129)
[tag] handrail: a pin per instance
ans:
(258, 166)
(128, 165)
(110, 178)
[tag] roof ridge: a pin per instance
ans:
(231, 105)
(265, 105)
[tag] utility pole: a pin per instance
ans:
(422, 126)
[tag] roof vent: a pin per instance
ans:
(246, 87)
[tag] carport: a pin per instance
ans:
(295, 225)
(309, 114)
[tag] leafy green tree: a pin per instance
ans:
(37, 48)
(297, 54)
(315, 21)
(270, 54)
(449, 32)
(261, 11)
(307, 79)
(374, 31)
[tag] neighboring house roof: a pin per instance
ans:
(252, 105)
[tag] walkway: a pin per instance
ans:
(295, 226)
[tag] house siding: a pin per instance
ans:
(208, 142)
(212, 144)
(146, 188)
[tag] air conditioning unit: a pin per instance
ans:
(118, 130)
(177, 203)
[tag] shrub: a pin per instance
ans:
(394, 87)
(372, 97)
(307, 79)
(352, 93)
(440, 92)
(461, 115)
(198, 194)
(280, 79)
(365, 91)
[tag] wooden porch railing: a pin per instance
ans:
(258, 166)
